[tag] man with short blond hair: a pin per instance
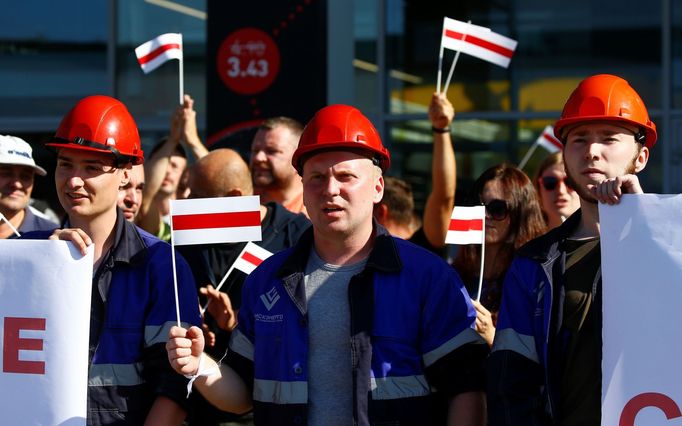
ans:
(351, 325)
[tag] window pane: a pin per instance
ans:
(559, 44)
(52, 58)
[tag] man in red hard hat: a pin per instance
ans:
(133, 303)
(351, 325)
(545, 366)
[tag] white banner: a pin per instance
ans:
(641, 242)
(44, 326)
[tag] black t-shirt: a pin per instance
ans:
(581, 334)
(419, 238)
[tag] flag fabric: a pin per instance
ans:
(156, 52)
(251, 256)
(548, 141)
(215, 220)
(477, 41)
(466, 225)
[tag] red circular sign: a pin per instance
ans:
(248, 61)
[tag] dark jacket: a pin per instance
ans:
(132, 309)
(523, 372)
(411, 329)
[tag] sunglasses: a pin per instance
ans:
(497, 209)
(550, 183)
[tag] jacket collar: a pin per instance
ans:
(383, 257)
(128, 246)
(546, 246)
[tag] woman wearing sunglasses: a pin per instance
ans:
(557, 199)
(512, 217)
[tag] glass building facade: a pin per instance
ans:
(382, 56)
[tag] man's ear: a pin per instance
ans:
(641, 159)
(379, 189)
(125, 176)
(381, 212)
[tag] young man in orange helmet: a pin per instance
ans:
(351, 325)
(133, 304)
(545, 366)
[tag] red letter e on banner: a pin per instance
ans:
(12, 344)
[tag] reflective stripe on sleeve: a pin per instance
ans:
(115, 375)
(509, 339)
(468, 335)
(399, 387)
(241, 344)
(277, 392)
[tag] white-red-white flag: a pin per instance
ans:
(215, 220)
(251, 256)
(156, 52)
(548, 141)
(477, 41)
(466, 225)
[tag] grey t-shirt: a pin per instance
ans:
(330, 381)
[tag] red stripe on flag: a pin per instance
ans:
(466, 225)
(480, 43)
(554, 141)
(215, 220)
(156, 52)
(252, 259)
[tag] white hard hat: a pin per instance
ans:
(16, 151)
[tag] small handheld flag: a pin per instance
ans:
(467, 226)
(215, 220)
(252, 256)
(478, 41)
(158, 51)
(249, 258)
(212, 221)
(546, 140)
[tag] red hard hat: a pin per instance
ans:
(607, 97)
(340, 127)
(100, 124)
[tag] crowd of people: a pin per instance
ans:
(356, 317)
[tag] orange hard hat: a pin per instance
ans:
(342, 128)
(100, 124)
(607, 97)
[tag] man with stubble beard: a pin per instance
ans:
(545, 365)
(274, 178)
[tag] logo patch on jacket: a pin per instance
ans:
(270, 298)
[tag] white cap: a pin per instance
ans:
(16, 151)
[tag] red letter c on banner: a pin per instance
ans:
(649, 399)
